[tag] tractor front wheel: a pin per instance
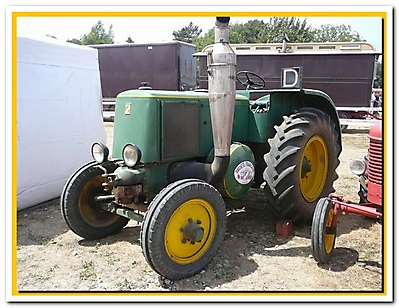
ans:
(183, 228)
(301, 164)
(82, 213)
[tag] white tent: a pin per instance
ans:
(59, 115)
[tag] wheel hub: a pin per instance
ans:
(306, 167)
(192, 232)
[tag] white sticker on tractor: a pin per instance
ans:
(244, 172)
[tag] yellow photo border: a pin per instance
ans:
(186, 13)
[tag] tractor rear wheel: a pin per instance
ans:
(183, 228)
(82, 213)
(301, 164)
(324, 231)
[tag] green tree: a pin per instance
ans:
(201, 41)
(75, 41)
(187, 34)
(378, 76)
(257, 31)
(273, 31)
(251, 32)
(97, 35)
(129, 40)
(294, 28)
(342, 33)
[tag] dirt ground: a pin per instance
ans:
(51, 258)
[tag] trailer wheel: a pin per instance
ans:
(81, 212)
(324, 231)
(183, 228)
(301, 164)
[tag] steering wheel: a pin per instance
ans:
(250, 80)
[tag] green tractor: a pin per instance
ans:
(177, 156)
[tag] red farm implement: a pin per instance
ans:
(325, 218)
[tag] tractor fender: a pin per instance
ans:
(300, 98)
(321, 100)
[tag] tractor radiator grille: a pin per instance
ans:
(375, 161)
(180, 129)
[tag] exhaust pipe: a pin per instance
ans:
(221, 62)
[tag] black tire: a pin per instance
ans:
(151, 209)
(301, 164)
(324, 231)
(183, 206)
(81, 212)
(62, 199)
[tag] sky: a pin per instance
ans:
(149, 29)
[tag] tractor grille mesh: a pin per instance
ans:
(375, 161)
(180, 130)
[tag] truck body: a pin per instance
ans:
(344, 70)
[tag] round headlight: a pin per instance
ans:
(358, 166)
(131, 155)
(99, 152)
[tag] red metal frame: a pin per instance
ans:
(344, 207)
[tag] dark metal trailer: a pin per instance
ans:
(162, 66)
(344, 70)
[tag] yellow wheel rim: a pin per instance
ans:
(313, 168)
(203, 215)
(329, 239)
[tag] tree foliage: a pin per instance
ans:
(378, 76)
(75, 41)
(97, 35)
(187, 34)
(274, 31)
(295, 29)
(129, 40)
(342, 33)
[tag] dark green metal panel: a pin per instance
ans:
(205, 127)
(241, 172)
(240, 122)
(155, 178)
(261, 125)
(137, 121)
(285, 102)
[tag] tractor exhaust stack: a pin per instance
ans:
(221, 62)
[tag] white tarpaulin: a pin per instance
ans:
(59, 115)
